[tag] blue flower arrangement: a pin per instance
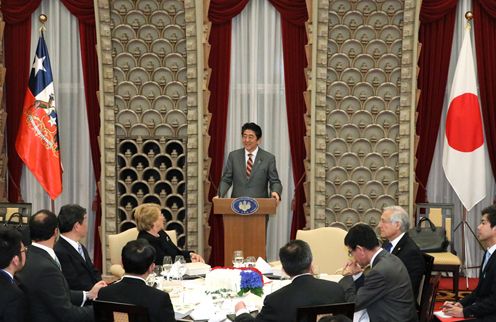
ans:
(251, 281)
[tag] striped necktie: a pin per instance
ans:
(249, 165)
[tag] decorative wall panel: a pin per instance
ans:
(362, 43)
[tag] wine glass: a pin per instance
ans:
(166, 265)
(180, 259)
(237, 258)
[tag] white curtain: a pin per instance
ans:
(62, 39)
(438, 187)
(257, 94)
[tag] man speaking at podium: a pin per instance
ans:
(251, 171)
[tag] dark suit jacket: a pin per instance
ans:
(481, 303)
(47, 291)
(163, 246)
(12, 300)
(263, 173)
(412, 257)
(386, 293)
(80, 274)
(304, 290)
(134, 291)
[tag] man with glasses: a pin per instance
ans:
(12, 259)
(385, 291)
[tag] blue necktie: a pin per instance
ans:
(486, 259)
(80, 251)
(387, 246)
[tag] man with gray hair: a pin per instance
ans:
(394, 227)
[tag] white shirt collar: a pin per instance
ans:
(491, 249)
(8, 273)
(395, 241)
(73, 243)
(296, 276)
(375, 255)
(134, 276)
(253, 153)
(49, 250)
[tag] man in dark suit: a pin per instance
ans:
(251, 171)
(386, 294)
(12, 259)
(394, 226)
(481, 303)
(47, 291)
(74, 258)
(304, 290)
(138, 261)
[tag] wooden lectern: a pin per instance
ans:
(244, 232)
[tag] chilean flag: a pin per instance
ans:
(37, 140)
(464, 150)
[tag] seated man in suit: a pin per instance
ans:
(251, 171)
(74, 258)
(49, 296)
(12, 259)
(138, 258)
(481, 303)
(394, 226)
(386, 293)
(304, 290)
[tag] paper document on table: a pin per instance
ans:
(263, 266)
(197, 268)
(448, 318)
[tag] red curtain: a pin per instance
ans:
(485, 44)
(220, 13)
(294, 38)
(84, 11)
(17, 44)
(436, 35)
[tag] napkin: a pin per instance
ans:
(263, 266)
(175, 271)
(206, 310)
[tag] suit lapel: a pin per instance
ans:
(256, 163)
(489, 264)
(399, 245)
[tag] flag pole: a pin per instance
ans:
(43, 19)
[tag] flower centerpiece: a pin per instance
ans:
(229, 282)
(251, 281)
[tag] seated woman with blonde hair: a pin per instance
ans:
(150, 223)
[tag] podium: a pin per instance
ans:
(244, 232)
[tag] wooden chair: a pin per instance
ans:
(119, 312)
(339, 312)
(118, 241)
(427, 307)
(423, 293)
(328, 250)
(441, 214)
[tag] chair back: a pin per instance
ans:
(327, 245)
(427, 307)
(119, 312)
(424, 284)
(328, 312)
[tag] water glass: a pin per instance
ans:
(237, 258)
(166, 265)
(180, 259)
(249, 261)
